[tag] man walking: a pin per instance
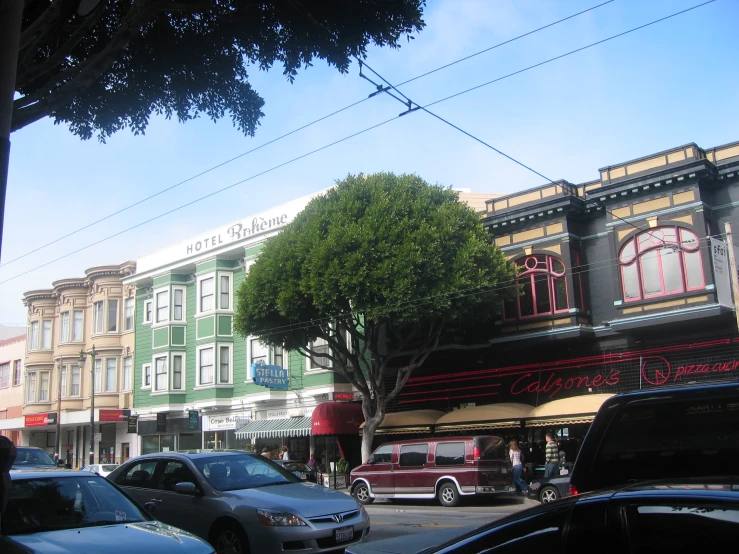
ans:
(551, 456)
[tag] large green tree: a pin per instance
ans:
(380, 267)
(128, 59)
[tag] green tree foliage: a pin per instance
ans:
(379, 267)
(129, 59)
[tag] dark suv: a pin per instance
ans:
(666, 434)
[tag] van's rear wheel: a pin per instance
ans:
(448, 495)
(362, 495)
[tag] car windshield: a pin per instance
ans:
(32, 457)
(56, 503)
(669, 440)
(297, 466)
(235, 472)
(108, 467)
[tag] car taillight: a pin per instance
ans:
(573, 491)
(476, 453)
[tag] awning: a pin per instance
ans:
(412, 421)
(337, 418)
(269, 428)
(567, 411)
(492, 416)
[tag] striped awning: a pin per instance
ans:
(269, 428)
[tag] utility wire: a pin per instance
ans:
(213, 168)
(342, 140)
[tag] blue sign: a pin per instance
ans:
(270, 376)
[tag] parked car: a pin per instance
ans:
(58, 511)
(549, 489)
(684, 516)
(446, 468)
(301, 470)
(669, 433)
(29, 457)
(101, 469)
(242, 502)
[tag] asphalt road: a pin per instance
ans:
(406, 517)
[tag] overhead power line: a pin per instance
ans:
(315, 121)
(347, 138)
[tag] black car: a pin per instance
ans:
(549, 489)
(299, 469)
(661, 516)
(672, 433)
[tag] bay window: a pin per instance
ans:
(77, 325)
(98, 375)
(128, 314)
(225, 292)
(4, 375)
(31, 387)
(543, 288)
(46, 334)
(224, 364)
(75, 381)
(178, 382)
(320, 347)
(179, 305)
(661, 262)
(111, 383)
(33, 332)
(64, 327)
(205, 366)
(160, 373)
(112, 316)
(207, 294)
(162, 308)
(98, 315)
(43, 390)
(127, 371)
(146, 376)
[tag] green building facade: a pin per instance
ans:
(192, 380)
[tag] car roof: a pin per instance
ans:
(440, 439)
(193, 454)
(34, 473)
(689, 392)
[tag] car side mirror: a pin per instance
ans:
(151, 507)
(185, 488)
(371, 459)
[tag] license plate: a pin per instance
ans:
(564, 471)
(344, 534)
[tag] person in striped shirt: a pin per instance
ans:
(551, 457)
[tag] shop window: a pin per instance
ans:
(661, 262)
(543, 288)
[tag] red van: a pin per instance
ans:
(446, 468)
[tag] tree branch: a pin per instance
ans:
(37, 31)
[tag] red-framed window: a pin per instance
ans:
(543, 286)
(661, 262)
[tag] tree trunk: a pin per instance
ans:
(374, 412)
(368, 436)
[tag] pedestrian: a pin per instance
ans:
(517, 461)
(551, 457)
(285, 453)
(312, 462)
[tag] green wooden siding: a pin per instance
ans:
(206, 327)
(178, 335)
(224, 325)
(160, 337)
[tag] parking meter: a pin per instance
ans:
(7, 457)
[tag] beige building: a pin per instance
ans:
(64, 322)
(12, 352)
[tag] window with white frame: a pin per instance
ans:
(46, 334)
(111, 376)
(33, 336)
(43, 389)
(259, 352)
(63, 385)
(64, 327)
(77, 325)
(178, 301)
(127, 372)
(162, 298)
(98, 317)
(4, 375)
(31, 386)
(146, 376)
(207, 294)
(160, 373)
(112, 316)
(224, 364)
(75, 372)
(318, 347)
(17, 373)
(128, 313)
(147, 311)
(205, 366)
(225, 291)
(277, 356)
(178, 381)
(98, 375)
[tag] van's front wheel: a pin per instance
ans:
(362, 495)
(448, 495)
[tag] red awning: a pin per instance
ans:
(337, 418)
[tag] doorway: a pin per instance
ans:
(125, 451)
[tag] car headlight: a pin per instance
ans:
(278, 519)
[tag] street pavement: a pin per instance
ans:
(399, 518)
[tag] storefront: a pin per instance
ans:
(335, 427)
(166, 434)
(273, 429)
(219, 431)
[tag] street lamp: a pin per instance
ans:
(81, 364)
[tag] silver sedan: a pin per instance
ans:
(242, 502)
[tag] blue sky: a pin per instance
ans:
(663, 86)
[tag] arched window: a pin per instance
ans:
(543, 288)
(660, 262)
